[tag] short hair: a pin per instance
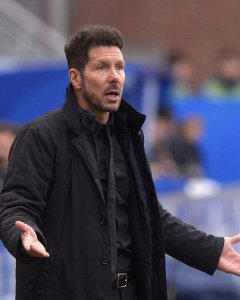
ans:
(89, 36)
(179, 56)
(226, 54)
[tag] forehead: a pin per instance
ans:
(105, 53)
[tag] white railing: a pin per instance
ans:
(24, 36)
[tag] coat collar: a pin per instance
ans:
(70, 114)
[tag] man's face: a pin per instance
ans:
(6, 140)
(102, 80)
(229, 70)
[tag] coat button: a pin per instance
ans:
(105, 260)
(103, 221)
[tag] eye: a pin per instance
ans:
(101, 67)
(120, 67)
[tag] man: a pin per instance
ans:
(7, 135)
(225, 84)
(78, 206)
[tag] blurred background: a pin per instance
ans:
(183, 72)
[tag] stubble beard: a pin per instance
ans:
(94, 100)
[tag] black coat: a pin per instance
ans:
(52, 185)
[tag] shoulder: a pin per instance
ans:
(47, 130)
(47, 123)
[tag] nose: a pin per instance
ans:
(114, 75)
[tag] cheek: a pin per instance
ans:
(94, 87)
(97, 84)
(123, 79)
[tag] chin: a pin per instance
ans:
(113, 108)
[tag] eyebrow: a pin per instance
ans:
(119, 60)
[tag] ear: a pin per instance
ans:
(75, 78)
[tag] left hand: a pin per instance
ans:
(30, 241)
(229, 261)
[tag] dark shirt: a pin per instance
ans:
(103, 139)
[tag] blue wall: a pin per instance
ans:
(220, 144)
(26, 94)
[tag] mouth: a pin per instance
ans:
(112, 94)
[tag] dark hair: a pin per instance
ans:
(228, 54)
(89, 36)
(164, 113)
(179, 56)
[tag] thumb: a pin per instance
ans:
(235, 239)
(30, 241)
(23, 227)
(20, 225)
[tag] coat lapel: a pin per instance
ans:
(78, 135)
(83, 146)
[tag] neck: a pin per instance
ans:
(101, 117)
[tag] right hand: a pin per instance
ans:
(30, 241)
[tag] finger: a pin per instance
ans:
(20, 225)
(23, 227)
(25, 230)
(235, 239)
(38, 250)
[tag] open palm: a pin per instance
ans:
(230, 259)
(30, 241)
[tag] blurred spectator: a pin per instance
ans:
(187, 154)
(182, 71)
(174, 151)
(226, 81)
(164, 133)
(7, 135)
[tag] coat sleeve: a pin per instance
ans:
(26, 187)
(183, 241)
(189, 245)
